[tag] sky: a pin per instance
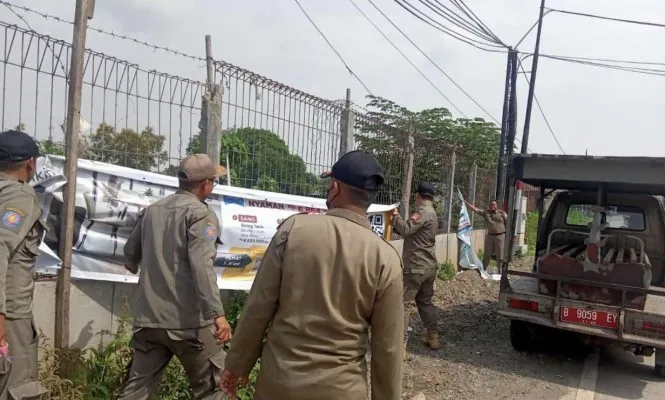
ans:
(594, 110)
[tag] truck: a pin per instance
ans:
(599, 267)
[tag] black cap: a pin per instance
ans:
(17, 146)
(426, 189)
(357, 169)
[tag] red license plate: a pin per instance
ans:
(589, 317)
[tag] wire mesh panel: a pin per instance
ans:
(136, 118)
(275, 137)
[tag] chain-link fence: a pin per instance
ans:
(273, 137)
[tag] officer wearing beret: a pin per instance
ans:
(419, 232)
(177, 310)
(324, 281)
(21, 232)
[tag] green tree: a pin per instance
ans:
(260, 159)
(140, 150)
(383, 132)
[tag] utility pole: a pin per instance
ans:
(84, 11)
(532, 84)
(472, 188)
(500, 175)
(211, 111)
(347, 122)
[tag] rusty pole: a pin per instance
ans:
(84, 10)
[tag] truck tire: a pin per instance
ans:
(660, 371)
(521, 336)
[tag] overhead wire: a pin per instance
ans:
(596, 16)
(540, 109)
(637, 70)
(439, 8)
(407, 37)
(485, 46)
(461, 5)
(332, 47)
(406, 57)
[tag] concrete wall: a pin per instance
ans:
(96, 305)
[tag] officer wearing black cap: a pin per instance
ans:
(419, 232)
(21, 232)
(323, 282)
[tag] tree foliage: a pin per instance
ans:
(127, 147)
(260, 159)
(384, 132)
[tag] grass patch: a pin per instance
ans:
(446, 271)
(98, 373)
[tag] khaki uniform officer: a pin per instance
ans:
(177, 308)
(420, 264)
(496, 232)
(21, 232)
(324, 281)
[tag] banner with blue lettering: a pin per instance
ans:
(468, 259)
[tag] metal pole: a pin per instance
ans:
(532, 85)
(346, 127)
(72, 137)
(512, 125)
(500, 175)
(450, 188)
(472, 189)
(408, 172)
(210, 77)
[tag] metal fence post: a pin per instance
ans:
(450, 187)
(84, 10)
(472, 188)
(409, 145)
(211, 110)
(347, 122)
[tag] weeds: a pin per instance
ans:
(446, 271)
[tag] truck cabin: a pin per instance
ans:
(605, 223)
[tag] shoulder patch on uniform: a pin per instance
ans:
(415, 217)
(210, 232)
(12, 217)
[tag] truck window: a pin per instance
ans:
(618, 217)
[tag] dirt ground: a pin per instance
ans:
(476, 360)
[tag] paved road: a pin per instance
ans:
(613, 374)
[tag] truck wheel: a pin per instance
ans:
(521, 336)
(660, 371)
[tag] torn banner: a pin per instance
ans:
(468, 259)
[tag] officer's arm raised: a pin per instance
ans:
(133, 250)
(410, 226)
(203, 237)
(387, 337)
(260, 306)
(15, 223)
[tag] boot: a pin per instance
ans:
(433, 340)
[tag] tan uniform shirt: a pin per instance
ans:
(21, 232)
(175, 241)
(324, 280)
(496, 221)
(419, 232)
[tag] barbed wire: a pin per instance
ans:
(153, 46)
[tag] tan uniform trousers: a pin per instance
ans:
(19, 374)
(419, 286)
(494, 244)
(200, 355)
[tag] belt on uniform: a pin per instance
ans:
(496, 234)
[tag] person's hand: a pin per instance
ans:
(4, 346)
(395, 211)
(222, 330)
(229, 383)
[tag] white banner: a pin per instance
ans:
(468, 259)
(108, 199)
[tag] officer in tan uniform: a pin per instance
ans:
(419, 233)
(324, 281)
(177, 308)
(21, 232)
(496, 232)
